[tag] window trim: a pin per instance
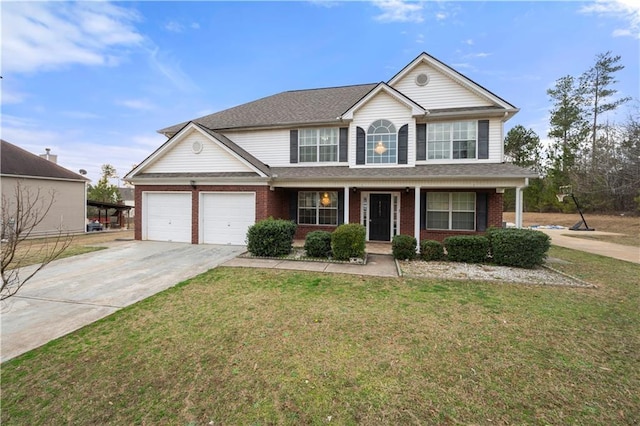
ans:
(450, 142)
(390, 134)
(451, 211)
(333, 195)
(335, 135)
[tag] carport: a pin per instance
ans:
(118, 212)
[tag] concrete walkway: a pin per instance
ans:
(73, 292)
(379, 265)
(564, 238)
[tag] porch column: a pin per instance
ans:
(346, 204)
(416, 215)
(519, 207)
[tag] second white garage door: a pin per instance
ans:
(226, 216)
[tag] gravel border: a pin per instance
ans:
(545, 275)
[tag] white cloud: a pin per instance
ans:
(325, 3)
(80, 115)
(7, 97)
(420, 39)
(170, 68)
(468, 42)
(477, 55)
(138, 104)
(195, 26)
(628, 11)
(440, 16)
(174, 27)
(463, 65)
(399, 11)
(51, 35)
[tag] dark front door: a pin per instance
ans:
(380, 217)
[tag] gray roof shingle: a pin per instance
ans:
(15, 161)
(422, 171)
(294, 107)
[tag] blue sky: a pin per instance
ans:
(93, 81)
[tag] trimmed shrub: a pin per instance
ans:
(431, 250)
(467, 248)
(403, 247)
(318, 244)
(348, 241)
(522, 248)
(271, 237)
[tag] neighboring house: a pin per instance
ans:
(420, 154)
(36, 175)
(128, 198)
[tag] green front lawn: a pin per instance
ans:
(249, 346)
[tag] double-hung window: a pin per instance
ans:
(318, 145)
(451, 210)
(318, 208)
(455, 140)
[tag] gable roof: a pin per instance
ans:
(258, 166)
(453, 74)
(19, 162)
(238, 150)
(286, 108)
(416, 109)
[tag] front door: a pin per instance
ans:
(380, 217)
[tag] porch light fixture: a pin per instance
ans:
(325, 200)
(380, 148)
(192, 183)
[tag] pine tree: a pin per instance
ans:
(597, 92)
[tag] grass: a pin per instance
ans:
(258, 347)
(627, 228)
(35, 250)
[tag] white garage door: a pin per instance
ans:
(168, 217)
(226, 216)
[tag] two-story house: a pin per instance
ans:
(420, 154)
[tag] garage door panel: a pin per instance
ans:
(226, 217)
(169, 217)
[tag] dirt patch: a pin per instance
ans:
(628, 225)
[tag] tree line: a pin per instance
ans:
(599, 159)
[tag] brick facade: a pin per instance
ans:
(276, 203)
(264, 199)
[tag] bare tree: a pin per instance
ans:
(22, 213)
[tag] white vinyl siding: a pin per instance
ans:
(212, 158)
(451, 210)
(383, 106)
(440, 92)
(269, 146)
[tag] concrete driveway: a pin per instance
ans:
(73, 292)
(568, 239)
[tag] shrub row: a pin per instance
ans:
(274, 237)
(271, 237)
(522, 248)
(348, 241)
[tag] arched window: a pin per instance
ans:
(382, 143)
